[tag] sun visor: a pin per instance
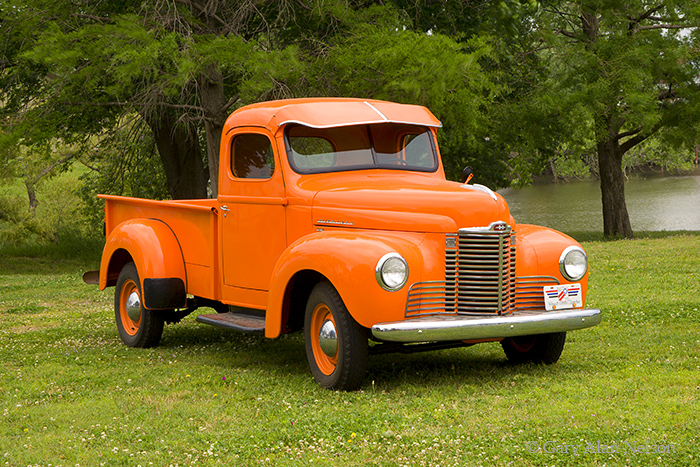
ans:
(335, 113)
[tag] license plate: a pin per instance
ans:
(562, 297)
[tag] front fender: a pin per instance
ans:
(348, 261)
(156, 252)
(538, 252)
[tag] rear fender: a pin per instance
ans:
(348, 260)
(156, 252)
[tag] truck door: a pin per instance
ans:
(251, 203)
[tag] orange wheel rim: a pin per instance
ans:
(523, 344)
(320, 315)
(130, 326)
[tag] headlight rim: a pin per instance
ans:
(562, 263)
(379, 276)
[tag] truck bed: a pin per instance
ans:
(194, 223)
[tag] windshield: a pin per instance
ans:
(384, 145)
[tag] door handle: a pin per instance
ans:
(225, 208)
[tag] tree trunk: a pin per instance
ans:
(31, 193)
(553, 168)
(181, 156)
(616, 221)
(211, 90)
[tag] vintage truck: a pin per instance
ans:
(334, 216)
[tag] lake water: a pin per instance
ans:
(653, 202)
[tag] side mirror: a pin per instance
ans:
(467, 174)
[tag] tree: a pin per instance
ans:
(80, 71)
(619, 73)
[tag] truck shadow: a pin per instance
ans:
(479, 365)
(482, 365)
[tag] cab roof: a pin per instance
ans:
(329, 113)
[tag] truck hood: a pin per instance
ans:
(406, 202)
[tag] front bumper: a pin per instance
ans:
(437, 328)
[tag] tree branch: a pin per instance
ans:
(567, 34)
(664, 26)
(647, 14)
(194, 108)
(628, 133)
(99, 19)
(49, 168)
(207, 11)
(98, 104)
(568, 19)
(230, 102)
(94, 169)
(632, 142)
(561, 13)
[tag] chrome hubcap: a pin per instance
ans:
(328, 338)
(133, 307)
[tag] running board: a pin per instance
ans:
(237, 321)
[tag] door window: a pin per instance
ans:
(252, 157)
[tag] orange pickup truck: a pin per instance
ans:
(334, 216)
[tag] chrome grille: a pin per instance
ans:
(427, 298)
(529, 293)
(479, 277)
(480, 270)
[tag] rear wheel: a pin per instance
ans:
(541, 348)
(336, 345)
(138, 327)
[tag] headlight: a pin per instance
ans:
(392, 272)
(573, 263)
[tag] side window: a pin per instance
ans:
(252, 156)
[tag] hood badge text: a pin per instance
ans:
(332, 222)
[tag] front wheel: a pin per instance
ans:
(541, 348)
(336, 345)
(138, 327)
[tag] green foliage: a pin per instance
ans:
(15, 224)
(125, 164)
(656, 153)
(567, 166)
(376, 55)
(652, 154)
(55, 221)
(465, 19)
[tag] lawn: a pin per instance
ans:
(623, 393)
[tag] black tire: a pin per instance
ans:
(346, 369)
(148, 328)
(542, 348)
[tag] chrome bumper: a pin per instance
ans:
(438, 328)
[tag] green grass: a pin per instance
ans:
(72, 393)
